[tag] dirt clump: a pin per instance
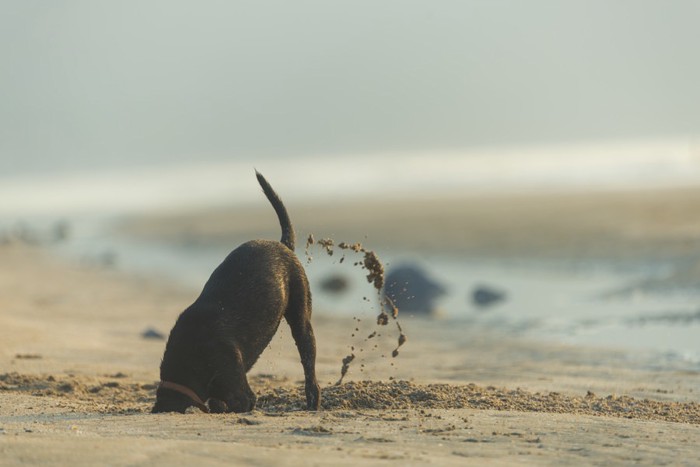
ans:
(346, 366)
(375, 268)
(375, 276)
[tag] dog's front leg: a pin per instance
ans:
(229, 390)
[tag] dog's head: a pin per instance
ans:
(168, 400)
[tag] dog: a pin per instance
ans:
(218, 338)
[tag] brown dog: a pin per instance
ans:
(218, 338)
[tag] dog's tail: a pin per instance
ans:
(288, 237)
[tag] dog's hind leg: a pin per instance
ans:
(298, 317)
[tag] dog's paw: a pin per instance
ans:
(313, 397)
(242, 404)
(217, 406)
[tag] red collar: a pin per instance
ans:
(187, 392)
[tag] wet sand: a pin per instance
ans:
(77, 378)
(653, 224)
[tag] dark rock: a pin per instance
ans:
(151, 333)
(107, 259)
(484, 296)
(411, 290)
(28, 356)
(335, 284)
(60, 231)
(247, 421)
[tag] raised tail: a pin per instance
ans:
(288, 237)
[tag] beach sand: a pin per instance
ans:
(77, 378)
(662, 223)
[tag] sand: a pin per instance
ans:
(77, 377)
(626, 224)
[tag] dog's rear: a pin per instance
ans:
(219, 337)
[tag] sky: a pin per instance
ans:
(100, 84)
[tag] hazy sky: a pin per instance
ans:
(97, 83)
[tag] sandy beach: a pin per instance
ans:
(496, 205)
(78, 378)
